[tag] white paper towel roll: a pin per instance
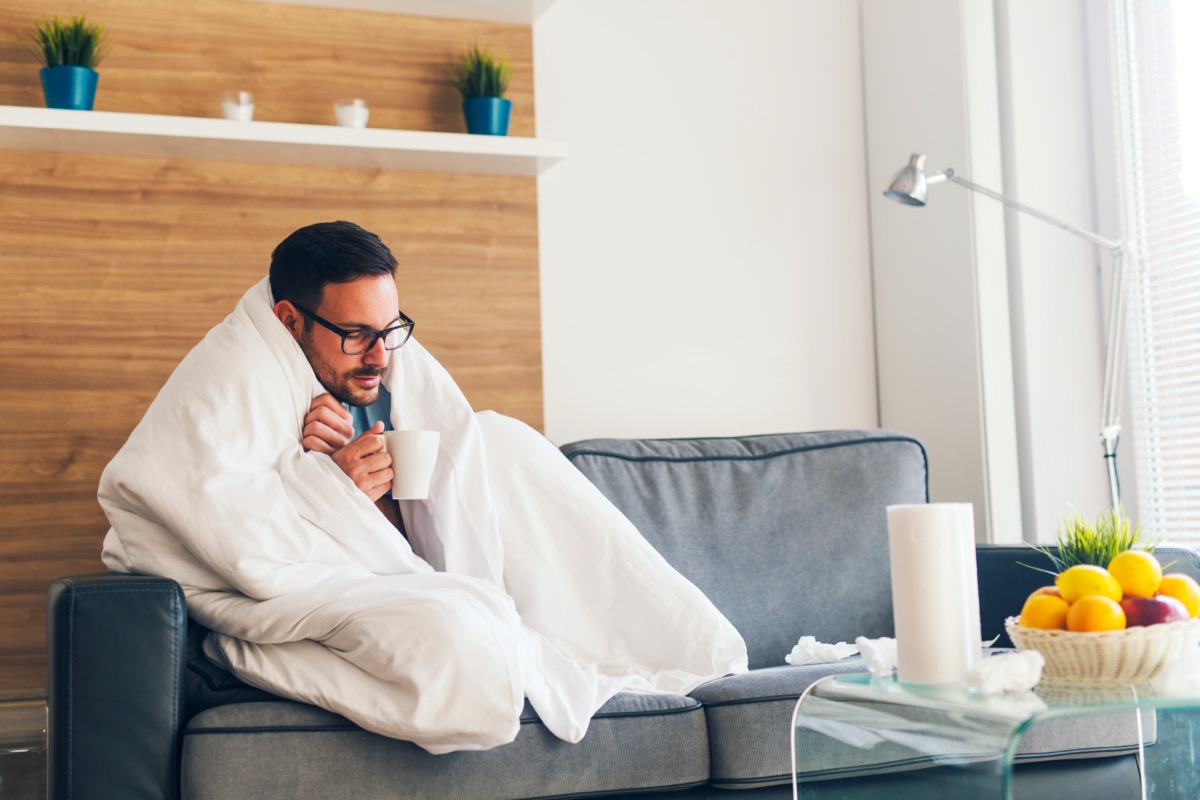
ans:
(935, 591)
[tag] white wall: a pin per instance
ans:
(704, 246)
(1060, 159)
(706, 253)
(945, 371)
(1013, 94)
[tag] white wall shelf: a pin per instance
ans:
(112, 133)
(515, 11)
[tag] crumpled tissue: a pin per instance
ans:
(809, 651)
(1007, 672)
(879, 654)
(1180, 677)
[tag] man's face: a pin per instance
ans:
(364, 303)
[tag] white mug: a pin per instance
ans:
(413, 455)
(237, 106)
(351, 112)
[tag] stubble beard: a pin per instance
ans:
(339, 384)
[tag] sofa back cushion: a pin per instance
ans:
(785, 533)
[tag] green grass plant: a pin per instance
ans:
(1083, 542)
(71, 43)
(480, 74)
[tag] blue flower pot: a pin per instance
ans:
(487, 115)
(69, 87)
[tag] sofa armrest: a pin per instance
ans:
(1004, 583)
(116, 667)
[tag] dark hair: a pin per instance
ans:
(324, 253)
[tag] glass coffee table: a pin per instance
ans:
(848, 726)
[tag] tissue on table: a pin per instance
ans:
(880, 655)
(1007, 672)
(809, 651)
(1180, 677)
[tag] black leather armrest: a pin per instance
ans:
(1004, 583)
(116, 667)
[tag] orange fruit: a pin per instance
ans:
(1083, 580)
(1138, 572)
(1184, 589)
(1095, 612)
(1044, 611)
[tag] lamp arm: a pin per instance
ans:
(1110, 411)
(1100, 241)
(909, 187)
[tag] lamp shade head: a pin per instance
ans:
(910, 184)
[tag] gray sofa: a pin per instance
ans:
(785, 533)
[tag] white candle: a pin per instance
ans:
(935, 591)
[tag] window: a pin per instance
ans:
(1161, 95)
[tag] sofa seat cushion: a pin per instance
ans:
(749, 718)
(276, 749)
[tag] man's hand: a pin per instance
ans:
(328, 426)
(367, 463)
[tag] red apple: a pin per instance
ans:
(1153, 610)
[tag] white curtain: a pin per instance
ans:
(1158, 47)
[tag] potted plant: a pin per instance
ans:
(482, 79)
(70, 51)
(1083, 542)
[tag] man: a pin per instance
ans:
(346, 319)
(251, 484)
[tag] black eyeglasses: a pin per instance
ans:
(357, 342)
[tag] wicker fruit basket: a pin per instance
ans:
(1133, 655)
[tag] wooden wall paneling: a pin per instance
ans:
(176, 58)
(113, 268)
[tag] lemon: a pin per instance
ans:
(1184, 589)
(1083, 580)
(1138, 572)
(1095, 612)
(1045, 611)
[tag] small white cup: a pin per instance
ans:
(413, 455)
(351, 112)
(237, 106)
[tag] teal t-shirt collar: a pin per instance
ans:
(366, 416)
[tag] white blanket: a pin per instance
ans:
(525, 580)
